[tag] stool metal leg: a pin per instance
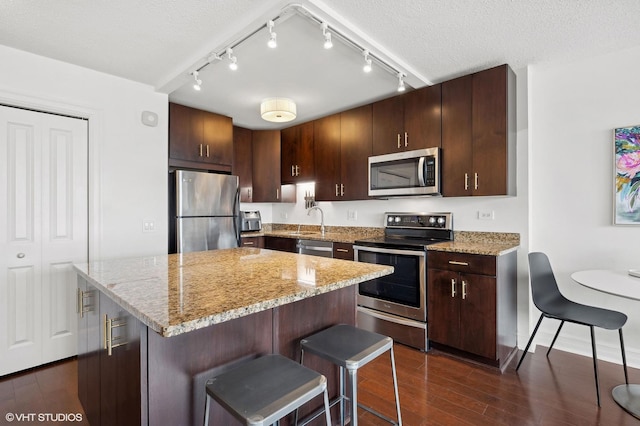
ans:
(327, 408)
(353, 379)
(206, 411)
(343, 394)
(395, 386)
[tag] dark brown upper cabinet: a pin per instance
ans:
(267, 188)
(243, 162)
(407, 122)
(199, 139)
(478, 134)
(296, 154)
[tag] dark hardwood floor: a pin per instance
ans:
(435, 389)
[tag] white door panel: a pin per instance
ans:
(43, 231)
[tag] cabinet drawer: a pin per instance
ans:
(252, 242)
(462, 262)
(343, 251)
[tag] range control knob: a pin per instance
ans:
(390, 219)
(432, 220)
(441, 221)
(398, 219)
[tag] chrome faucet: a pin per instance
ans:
(321, 217)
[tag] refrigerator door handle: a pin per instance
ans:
(237, 225)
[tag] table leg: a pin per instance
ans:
(628, 397)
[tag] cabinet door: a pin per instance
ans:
(478, 315)
(120, 397)
(217, 138)
(280, 243)
(243, 162)
(422, 118)
(326, 153)
(89, 352)
(266, 166)
(387, 131)
(296, 153)
(490, 131)
(257, 242)
(355, 150)
(185, 132)
(457, 152)
(443, 316)
(343, 251)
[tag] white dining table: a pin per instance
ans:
(618, 283)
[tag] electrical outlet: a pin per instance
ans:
(148, 225)
(352, 215)
(486, 214)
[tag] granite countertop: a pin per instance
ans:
(176, 293)
(483, 243)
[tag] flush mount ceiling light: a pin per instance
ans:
(233, 64)
(327, 36)
(197, 83)
(367, 62)
(272, 43)
(278, 110)
(401, 87)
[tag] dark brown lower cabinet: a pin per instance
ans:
(343, 251)
(155, 380)
(281, 243)
(472, 305)
(257, 242)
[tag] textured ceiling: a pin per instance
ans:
(160, 42)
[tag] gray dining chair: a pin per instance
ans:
(548, 299)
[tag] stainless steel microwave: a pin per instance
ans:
(405, 173)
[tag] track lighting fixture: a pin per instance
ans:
(233, 65)
(197, 82)
(272, 43)
(367, 62)
(327, 36)
(401, 82)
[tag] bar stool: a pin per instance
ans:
(351, 348)
(262, 391)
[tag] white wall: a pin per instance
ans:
(128, 161)
(574, 108)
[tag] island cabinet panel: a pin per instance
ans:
(407, 122)
(297, 154)
(243, 162)
(472, 305)
(267, 187)
(179, 367)
(478, 134)
(89, 347)
(199, 139)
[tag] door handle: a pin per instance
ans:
(399, 141)
(406, 139)
(476, 181)
(464, 289)
(466, 181)
(453, 287)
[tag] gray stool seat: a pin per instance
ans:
(262, 391)
(351, 348)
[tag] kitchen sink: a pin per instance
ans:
(302, 233)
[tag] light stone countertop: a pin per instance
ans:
(177, 293)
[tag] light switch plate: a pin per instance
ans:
(486, 214)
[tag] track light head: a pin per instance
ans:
(401, 87)
(272, 43)
(328, 44)
(367, 62)
(197, 82)
(233, 65)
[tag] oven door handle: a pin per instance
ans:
(392, 318)
(390, 251)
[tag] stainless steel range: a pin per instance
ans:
(396, 305)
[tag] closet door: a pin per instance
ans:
(43, 231)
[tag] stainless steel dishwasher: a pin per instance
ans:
(315, 247)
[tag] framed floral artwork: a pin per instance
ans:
(627, 176)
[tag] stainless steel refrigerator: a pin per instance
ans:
(205, 211)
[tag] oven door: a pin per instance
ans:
(402, 293)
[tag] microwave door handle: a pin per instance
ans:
(421, 177)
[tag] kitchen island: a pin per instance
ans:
(154, 329)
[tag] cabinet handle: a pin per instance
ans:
(293, 170)
(297, 170)
(207, 151)
(337, 194)
(466, 182)
(398, 140)
(109, 325)
(342, 190)
(406, 139)
(476, 180)
(248, 243)
(455, 262)
(277, 193)
(79, 301)
(453, 287)
(249, 193)
(342, 250)
(464, 289)
(200, 150)
(81, 308)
